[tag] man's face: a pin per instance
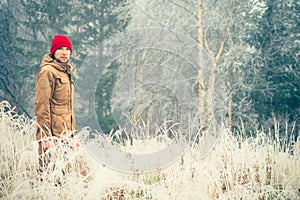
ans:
(63, 54)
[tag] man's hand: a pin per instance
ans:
(47, 144)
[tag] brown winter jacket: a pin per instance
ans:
(54, 99)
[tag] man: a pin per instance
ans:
(54, 95)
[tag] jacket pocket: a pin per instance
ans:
(60, 110)
(60, 120)
(61, 90)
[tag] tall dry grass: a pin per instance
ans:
(256, 167)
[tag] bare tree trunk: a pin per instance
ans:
(206, 98)
(230, 101)
(201, 86)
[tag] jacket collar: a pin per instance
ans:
(48, 60)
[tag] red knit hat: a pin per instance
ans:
(60, 41)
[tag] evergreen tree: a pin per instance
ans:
(15, 76)
(277, 95)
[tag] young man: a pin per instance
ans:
(54, 96)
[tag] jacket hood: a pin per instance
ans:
(48, 60)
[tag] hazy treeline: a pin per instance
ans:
(253, 45)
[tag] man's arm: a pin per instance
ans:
(44, 86)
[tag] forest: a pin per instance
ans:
(245, 52)
(224, 74)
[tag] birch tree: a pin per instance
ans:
(194, 20)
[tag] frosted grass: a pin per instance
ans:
(256, 167)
